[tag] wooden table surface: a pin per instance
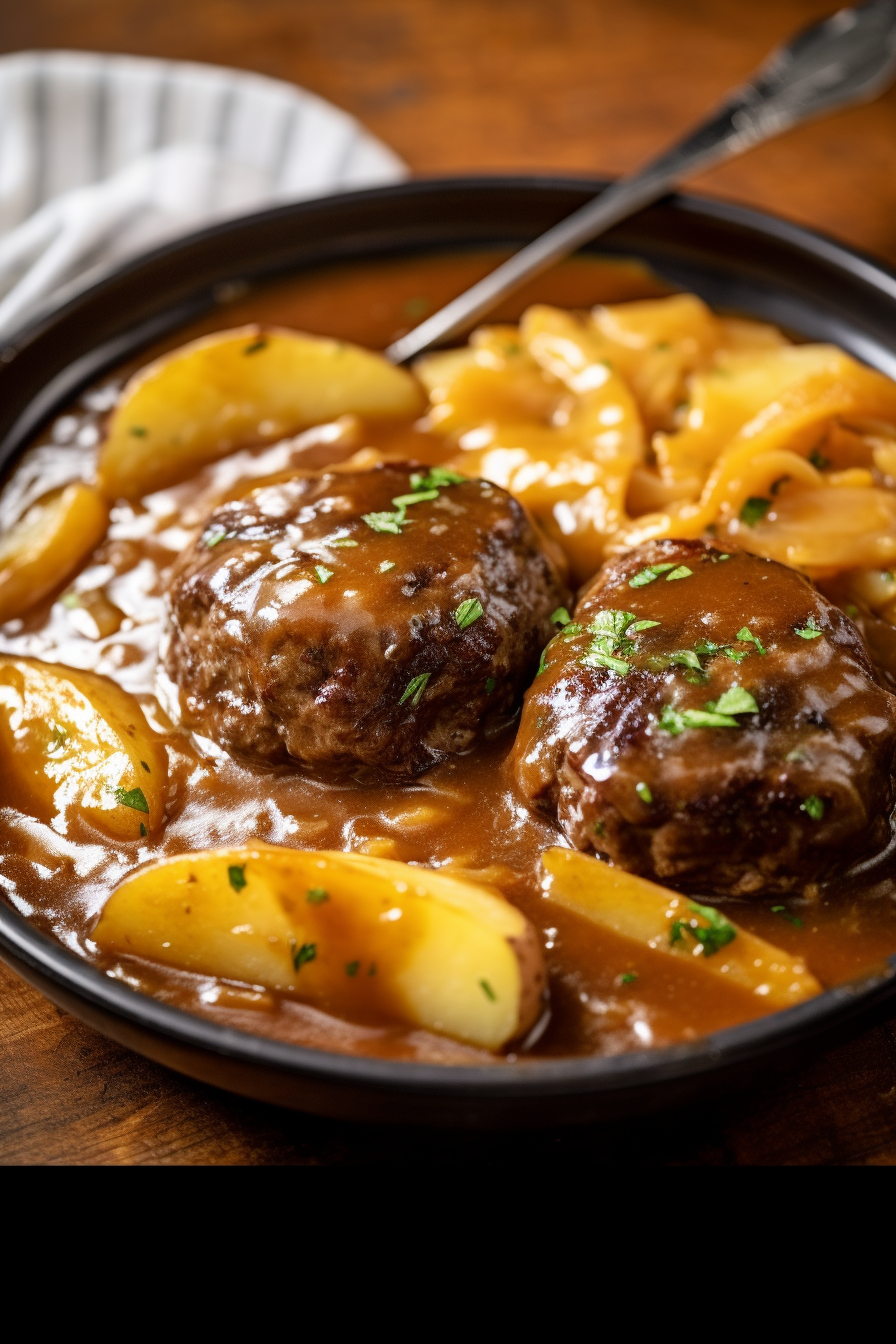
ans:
(455, 86)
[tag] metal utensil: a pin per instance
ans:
(845, 59)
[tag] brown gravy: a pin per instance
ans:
(464, 812)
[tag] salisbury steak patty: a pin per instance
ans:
(362, 623)
(710, 719)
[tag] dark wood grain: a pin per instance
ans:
(510, 85)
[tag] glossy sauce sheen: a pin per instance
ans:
(466, 813)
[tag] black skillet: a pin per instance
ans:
(735, 259)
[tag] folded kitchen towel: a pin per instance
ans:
(102, 157)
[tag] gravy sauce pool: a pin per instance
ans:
(464, 814)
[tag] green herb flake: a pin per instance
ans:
(468, 612)
(852, 610)
(386, 522)
(212, 538)
(302, 955)
(680, 572)
(323, 574)
(58, 738)
(643, 792)
(560, 616)
(597, 658)
(818, 460)
(342, 541)
(685, 658)
(352, 967)
(415, 688)
(649, 575)
(736, 655)
(70, 600)
(386, 566)
(675, 721)
(754, 509)
(236, 876)
(712, 939)
(599, 828)
(133, 798)
(811, 630)
(316, 895)
(707, 648)
(138, 431)
(146, 767)
(785, 914)
(542, 663)
(488, 991)
(570, 631)
(746, 636)
(253, 349)
(638, 626)
(813, 807)
(416, 497)
(437, 478)
(629, 978)
(734, 701)
(489, 685)
(142, 829)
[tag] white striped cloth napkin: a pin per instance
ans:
(102, 157)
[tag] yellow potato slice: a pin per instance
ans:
(234, 388)
(73, 743)
(357, 936)
(47, 545)
(673, 925)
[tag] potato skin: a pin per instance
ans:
(358, 936)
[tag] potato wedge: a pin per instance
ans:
(353, 934)
(74, 743)
(237, 387)
(676, 926)
(48, 544)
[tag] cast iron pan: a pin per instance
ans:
(733, 258)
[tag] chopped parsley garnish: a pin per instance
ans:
(146, 767)
(595, 657)
(212, 538)
(416, 497)
(813, 807)
(734, 701)
(599, 828)
(437, 478)
(560, 616)
(819, 462)
(736, 655)
(489, 685)
(58, 738)
(746, 636)
(629, 978)
(342, 541)
(323, 573)
(810, 630)
(302, 955)
(643, 792)
(680, 572)
(720, 932)
(316, 896)
(415, 688)
(236, 876)
(253, 349)
(386, 566)
(387, 522)
(754, 509)
(138, 431)
(708, 648)
(717, 714)
(488, 991)
(352, 967)
(570, 631)
(785, 914)
(417, 307)
(142, 829)
(70, 600)
(468, 612)
(685, 658)
(608, 638)
(851, 609)
(638, 626)
(611, 625)
(542, 663)
(648, 575)
(133, 798)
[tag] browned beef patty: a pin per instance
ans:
(315, 622)
(711, 720)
